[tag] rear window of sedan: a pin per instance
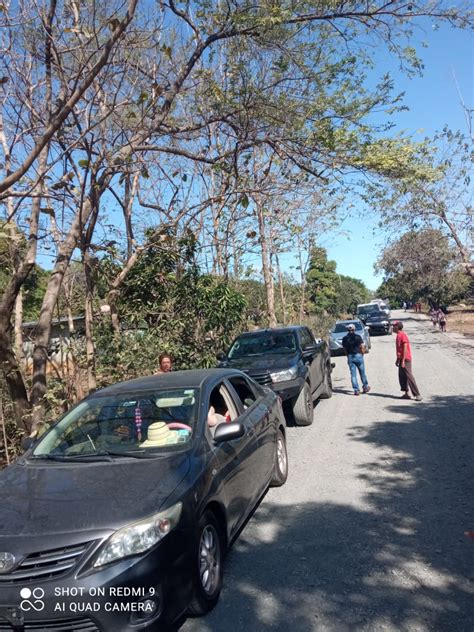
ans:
(342, 327)
(155, 420)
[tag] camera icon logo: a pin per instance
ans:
(32, 599)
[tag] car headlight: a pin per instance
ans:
(282, 376)
(139, 536)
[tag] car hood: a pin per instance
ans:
(269, 362)
(37, 499)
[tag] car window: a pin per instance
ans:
(265, 342)
(155, 420)
(306, 339)
(342, 327)
(244, 391)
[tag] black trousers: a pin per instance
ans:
(407, 379)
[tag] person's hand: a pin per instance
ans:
(122, 431)
(403, 364)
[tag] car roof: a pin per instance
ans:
(353, 320)
(274, 330)
(193, 378)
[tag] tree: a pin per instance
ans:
(322, 281)
(441, 196)
(350, 293)
(423, 265)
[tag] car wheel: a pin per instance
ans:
(280, 472)
(303, 407)
(326, 393)
(208, 565)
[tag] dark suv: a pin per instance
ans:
(288, 360)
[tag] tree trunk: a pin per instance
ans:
(89, 318)
(282, 290)
(18, 328)
(266, 268)
(43, 329)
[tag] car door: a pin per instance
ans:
(256, 402)
(312, 356)
(234, 462)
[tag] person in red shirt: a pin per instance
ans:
(403, 362)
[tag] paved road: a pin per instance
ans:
(368, 532)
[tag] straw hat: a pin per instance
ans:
(158, 435)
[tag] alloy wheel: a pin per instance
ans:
(209, 560)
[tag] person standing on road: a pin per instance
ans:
(166, 363)
(354, 348)
(403, 362)
(442, 319)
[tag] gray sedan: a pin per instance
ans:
(340, 330)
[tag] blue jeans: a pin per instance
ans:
(356, 363)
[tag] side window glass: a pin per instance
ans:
(244, 391)
(221, 408)
(306, 339)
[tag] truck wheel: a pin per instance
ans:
(326, 393)
(303, 407)
(280, 472)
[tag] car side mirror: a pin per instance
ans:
(26, 443)
(228, 432)
(221, 356)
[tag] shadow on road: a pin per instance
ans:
(403, 563)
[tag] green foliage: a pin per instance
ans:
(166, 304)
(34, 286)
(330, 292)
(422, 265)
(322, 281)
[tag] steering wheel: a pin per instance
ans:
(176, 425)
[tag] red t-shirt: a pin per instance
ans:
(402, 339)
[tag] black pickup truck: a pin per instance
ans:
(288, 360)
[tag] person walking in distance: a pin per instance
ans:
(354, 348)
(403, 362)
(442, 319)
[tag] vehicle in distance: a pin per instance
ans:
(340, 330)
(366, 309)
(378, 323)
(287, 359)
(130, 492)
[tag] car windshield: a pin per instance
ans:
(131, 423)
(342, 327)
(368, 309)
(263, 343)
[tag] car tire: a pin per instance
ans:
(208, 559)
(280, 471)
(303, 407)
(326, 393)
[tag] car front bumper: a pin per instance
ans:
(289, 389)
(137, 593)
(378, 328)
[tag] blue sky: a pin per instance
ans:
(433, 102)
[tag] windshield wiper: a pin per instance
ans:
(74, 458)
(99, 455)
(135, 454)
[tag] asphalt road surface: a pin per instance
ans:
(369, 531)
